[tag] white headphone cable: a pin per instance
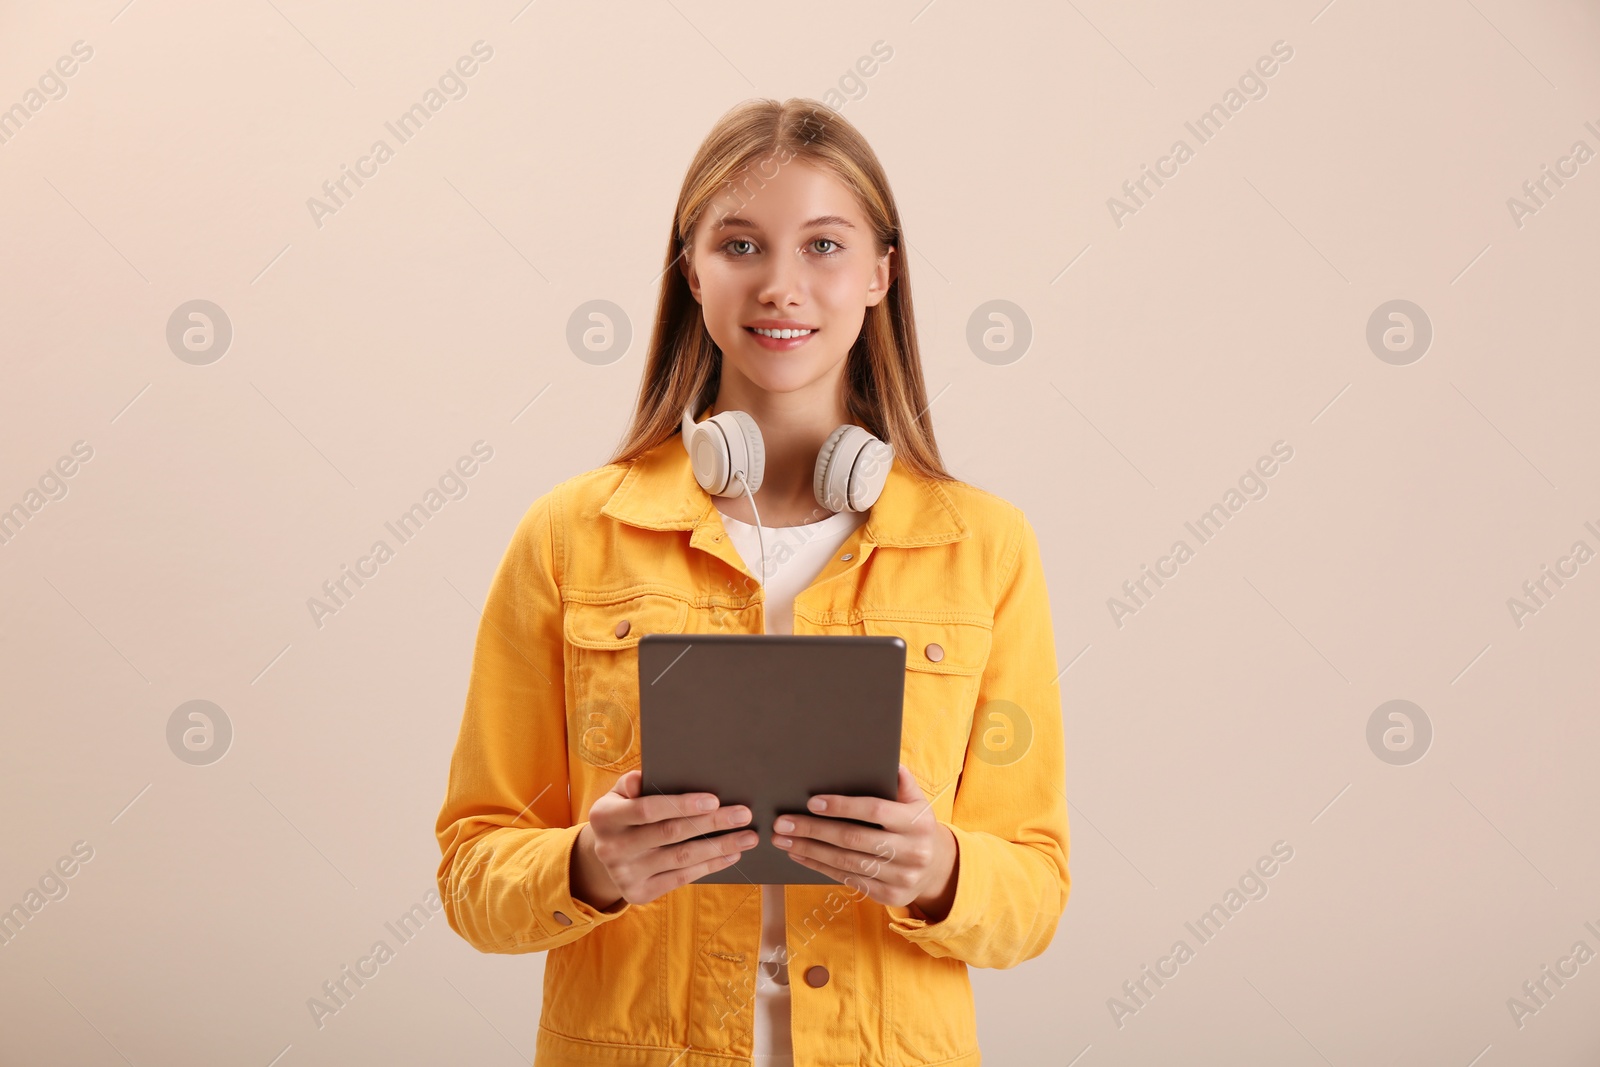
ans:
(761, 541)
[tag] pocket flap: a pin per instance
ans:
(597, 625)
(936, 647)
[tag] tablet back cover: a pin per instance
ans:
(768, 721)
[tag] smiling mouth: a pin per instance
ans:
(779, 335)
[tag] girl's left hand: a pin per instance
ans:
(913, 858)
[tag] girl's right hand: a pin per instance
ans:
(642, 846)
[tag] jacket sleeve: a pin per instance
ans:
(1009, 816)
(506, 830)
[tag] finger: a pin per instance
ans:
(628, 785)
(654, 807)
(706, 854)
(889, 814)
(672, 830)
(873, 865)
(846, 835)
(866, 886)
(910, 791)
(656, 885)
(730, 818)
(912, 795)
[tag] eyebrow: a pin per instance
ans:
(728, 221)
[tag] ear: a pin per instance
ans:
(882, 279)
(692, 276)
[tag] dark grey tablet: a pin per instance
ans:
(768, 721)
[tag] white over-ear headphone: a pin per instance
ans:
(728, 458)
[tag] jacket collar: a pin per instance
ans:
(659, 492)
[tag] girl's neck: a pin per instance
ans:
(793, 433)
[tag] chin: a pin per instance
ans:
(782, 383)
(777, 372)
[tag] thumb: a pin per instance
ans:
(910, 791)
(629, 785)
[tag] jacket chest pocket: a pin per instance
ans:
(944, 662)
(603, 684)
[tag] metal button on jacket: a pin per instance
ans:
(562, 919)
(933, 652)
(816, 977)
(622, 628)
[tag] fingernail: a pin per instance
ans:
(707, 803)
(785, 825)
(782, 842)
(818, 804)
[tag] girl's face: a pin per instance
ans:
(795, 252)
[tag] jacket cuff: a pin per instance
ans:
(555, 909)
(964, 908)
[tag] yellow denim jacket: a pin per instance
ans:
(551, 722)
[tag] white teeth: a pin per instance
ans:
(782, 334)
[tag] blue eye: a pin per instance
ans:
(736, 240)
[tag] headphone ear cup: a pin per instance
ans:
(744, 439)
(870, 473)
(852, 466)
(828, 494)
(708, 457)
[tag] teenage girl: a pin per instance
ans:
(780, 475)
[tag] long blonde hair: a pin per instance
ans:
(884, 389)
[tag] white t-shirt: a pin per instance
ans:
(795, 556)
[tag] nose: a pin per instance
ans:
(781, 287)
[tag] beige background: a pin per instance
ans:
(1168, 354)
